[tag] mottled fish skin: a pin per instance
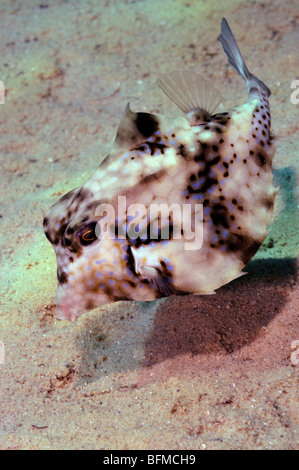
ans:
(222, 161)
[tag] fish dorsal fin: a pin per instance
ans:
(192, 93)
(134, 128)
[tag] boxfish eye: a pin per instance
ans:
(88, 234)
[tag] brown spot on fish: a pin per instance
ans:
(268, 203)
(62, 277)
(219, 215)
(182, 150)
(153, 147)
(68, 195)
(83, 194)
(153, 177)
(147, 124)
(260, 157)
(245, 245)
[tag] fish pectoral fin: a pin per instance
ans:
(146, 266)
(192, 93)
(157, 280)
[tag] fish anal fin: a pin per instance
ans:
(192, 93)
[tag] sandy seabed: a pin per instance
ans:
(195, 372)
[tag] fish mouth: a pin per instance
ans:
(64, 312)
(66, 307)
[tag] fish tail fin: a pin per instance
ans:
(235, 58)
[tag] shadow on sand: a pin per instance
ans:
(141, 334)
(225, 321)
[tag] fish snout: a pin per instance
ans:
(66, 309)
(64, 312)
